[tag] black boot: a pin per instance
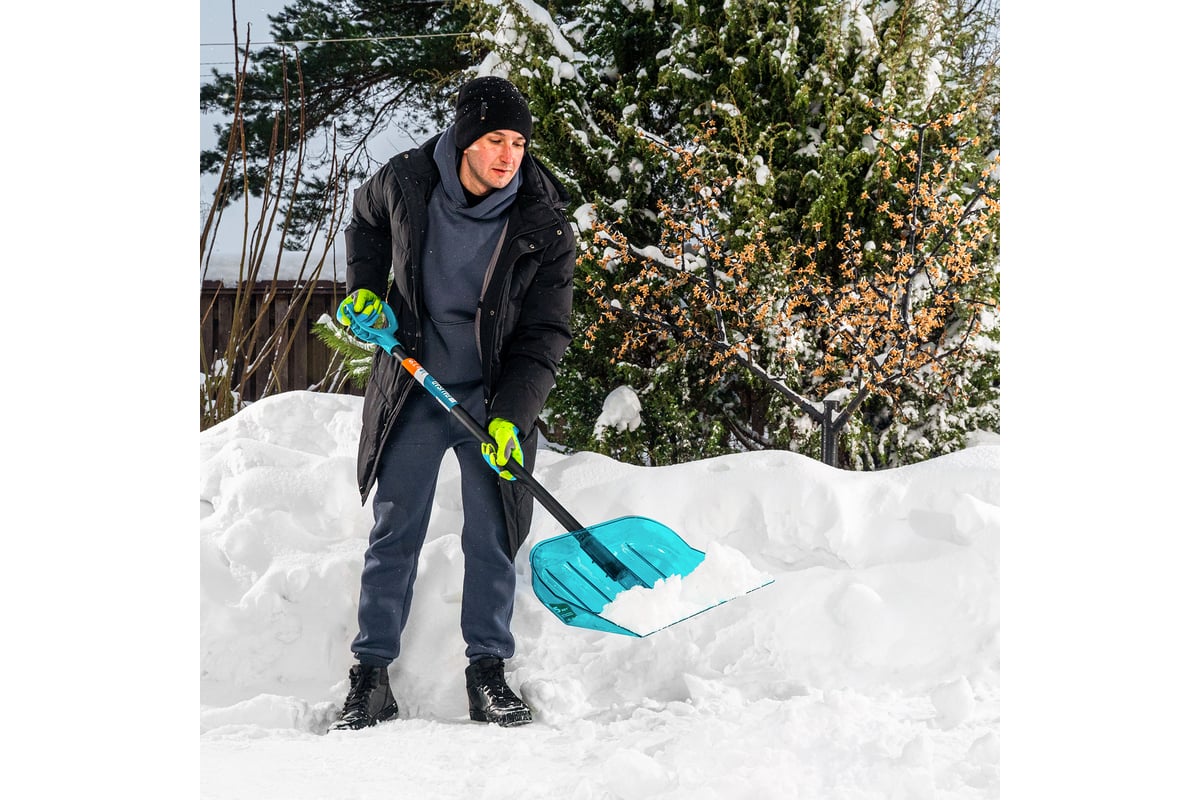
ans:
(370, 699)
(490, 698)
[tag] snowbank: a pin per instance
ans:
(870, 667)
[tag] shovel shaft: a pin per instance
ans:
(590, 545)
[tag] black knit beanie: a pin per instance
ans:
(489, 104)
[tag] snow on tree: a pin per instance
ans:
(794, 93)
(791, 96)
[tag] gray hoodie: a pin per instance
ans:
(459, 244)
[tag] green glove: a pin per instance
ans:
(363, 304)
(508, 445)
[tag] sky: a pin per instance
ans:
(868, 665)
(217, 52)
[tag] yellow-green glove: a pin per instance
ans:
(363, 304)
(507, 445)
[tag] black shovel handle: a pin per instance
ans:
(603, 557)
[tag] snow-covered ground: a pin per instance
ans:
(869, 668)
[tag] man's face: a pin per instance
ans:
(491, 161)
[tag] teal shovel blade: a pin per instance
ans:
(570, 581)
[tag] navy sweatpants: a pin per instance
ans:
(403, 502)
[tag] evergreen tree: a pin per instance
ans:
(794, 89)
(791, 90)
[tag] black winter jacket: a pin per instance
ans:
(522, 322)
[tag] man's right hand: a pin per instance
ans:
(362, 306)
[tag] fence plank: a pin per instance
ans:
(282, 326)
(207, 329)
(223, 321)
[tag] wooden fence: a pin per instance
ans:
(306, 362)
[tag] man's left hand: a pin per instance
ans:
(507, 445)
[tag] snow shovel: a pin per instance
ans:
(576, 574)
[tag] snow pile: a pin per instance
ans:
(722, 575)
(869, 668)
(622, 411)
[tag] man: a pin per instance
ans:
(472, 230)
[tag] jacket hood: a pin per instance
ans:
(446, 156)
(536, 180)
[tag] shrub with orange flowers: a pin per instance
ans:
(844, 315)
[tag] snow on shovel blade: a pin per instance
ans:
(664, 580)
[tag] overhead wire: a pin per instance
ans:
(296, 42)
(343, 39)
